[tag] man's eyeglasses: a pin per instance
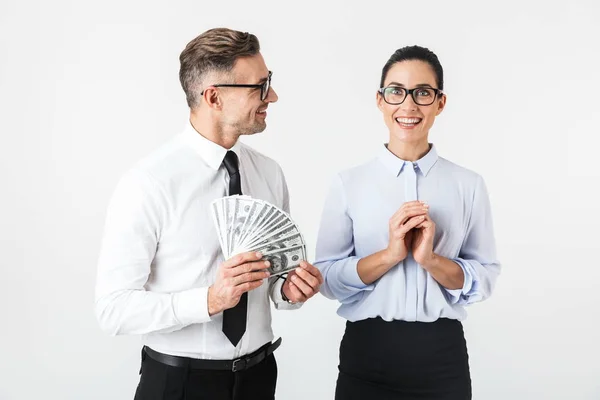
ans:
(422, 96)
(264, 87)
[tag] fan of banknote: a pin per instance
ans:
(247, 224)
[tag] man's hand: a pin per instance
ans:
(238, 275)
(302, 283)
(401, 225)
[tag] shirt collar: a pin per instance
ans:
(212, 153)
(395, 164)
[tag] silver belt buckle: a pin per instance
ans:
(238, 364)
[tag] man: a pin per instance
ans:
(206, 324)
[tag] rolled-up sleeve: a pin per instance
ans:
(335, 255)
(477, 256)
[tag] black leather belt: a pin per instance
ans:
(239, 364)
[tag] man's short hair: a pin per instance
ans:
(215, 50)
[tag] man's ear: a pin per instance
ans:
(212, 97)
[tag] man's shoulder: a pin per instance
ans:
(161, 163)
(161, 155)
(261, 160)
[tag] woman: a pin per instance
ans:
(405, 242)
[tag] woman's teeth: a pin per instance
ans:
(408, 120)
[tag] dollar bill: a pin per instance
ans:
(267, 214)
(247, 224)
(242, 207)
(287, 241)
(284, 260)
(260, 235)
(230, 210)
(219, 224)
(287, 230)
(275, 223)
(256, 215)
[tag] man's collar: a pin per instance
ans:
(212, 153)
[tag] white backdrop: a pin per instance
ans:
(88, 88)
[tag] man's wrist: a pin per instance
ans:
(283, 296)
(212, 307)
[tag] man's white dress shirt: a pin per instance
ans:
(160, 250)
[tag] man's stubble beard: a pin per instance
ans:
(250, 129)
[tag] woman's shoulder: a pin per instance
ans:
(461, 175)
(457, 170)
(360, 172)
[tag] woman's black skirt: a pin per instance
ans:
(382, 360)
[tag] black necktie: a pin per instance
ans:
(234, 319)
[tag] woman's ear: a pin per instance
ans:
(441, 104)
(379, 100)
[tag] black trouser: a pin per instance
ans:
(162, 382)
(403, 360)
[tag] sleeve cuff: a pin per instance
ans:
(468, 277)
(276, 294)
(349, 274)
(459, 296)
(191, 306)
(277, 297)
